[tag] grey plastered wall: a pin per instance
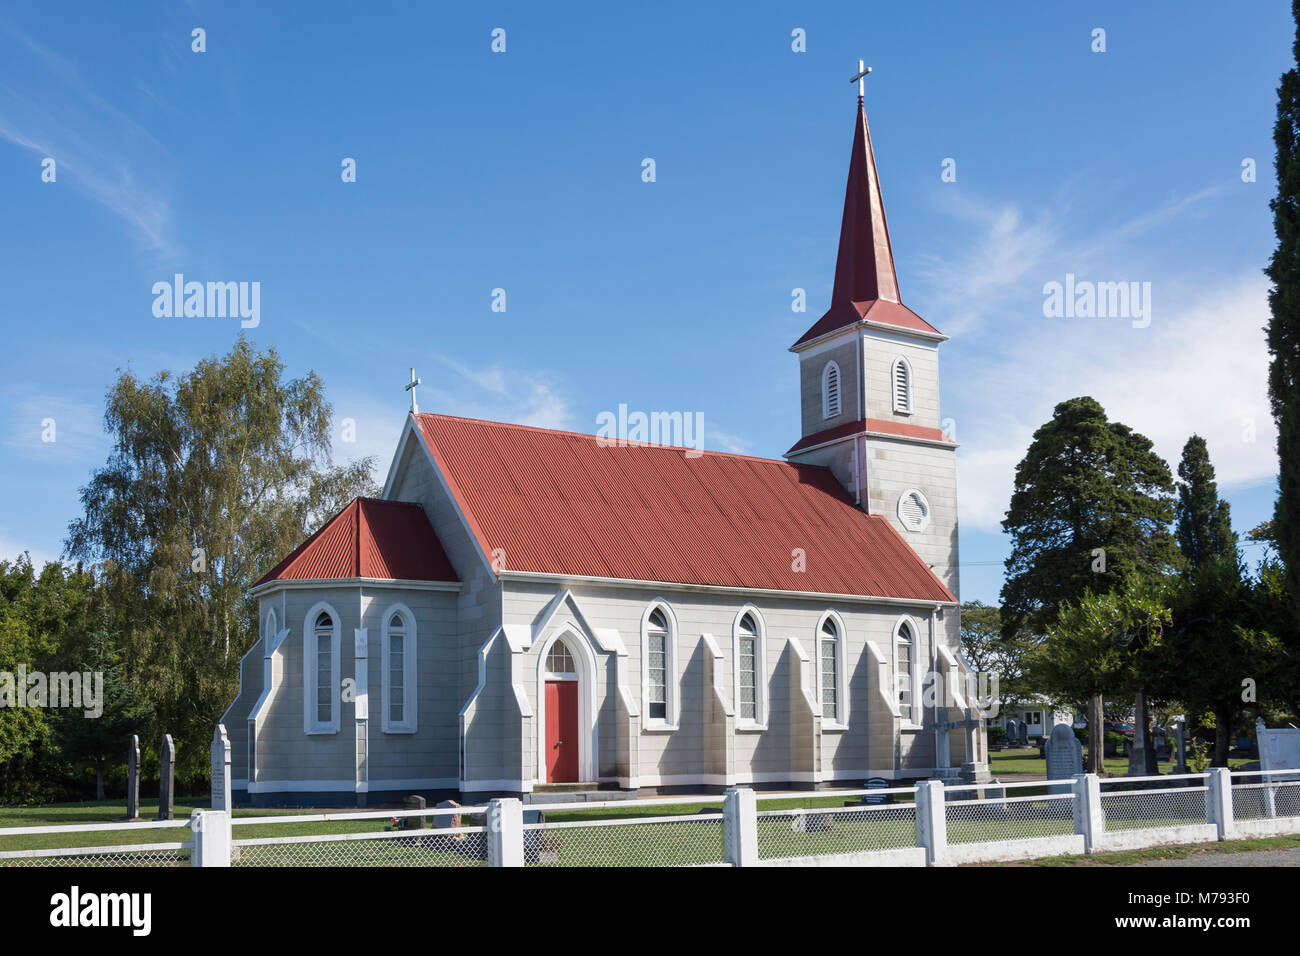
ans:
(896, 466)
(431, 752)
(478, 608)
(689, 752)
(812, 363)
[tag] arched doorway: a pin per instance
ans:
(562, 742)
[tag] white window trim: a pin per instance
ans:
(410, 710)
(841, 696)
(839, 390)
(893, 386)
(908, 723)
(672, 699)
(310, 724)
(759, 723)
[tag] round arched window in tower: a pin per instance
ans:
(913, 510)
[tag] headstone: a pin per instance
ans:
(1024, 735)
(133, 779)
(1012, 732)
(167, 780)
(1064, 757)
(220, 769)
(449, 820)
(1142, 756)
(413, 802)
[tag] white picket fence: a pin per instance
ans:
(927, 825)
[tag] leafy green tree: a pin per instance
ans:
(214, 475)
(1090, 511)
(1102, 646)
(1284, 324)
(990, 653)
(100, 740)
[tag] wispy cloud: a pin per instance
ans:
(98, 149)
(1012, 253)
(499, 393)
(1200, 368)
(44, 427)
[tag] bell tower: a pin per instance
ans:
(869, 382)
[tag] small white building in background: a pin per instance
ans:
(1038, 715)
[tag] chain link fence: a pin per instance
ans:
(1142, 808)
(635, 841)
(1254, 797)
(148, 854)
(819, 832)
(460, 846)
(1009, 818)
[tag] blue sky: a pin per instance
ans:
(522, 170)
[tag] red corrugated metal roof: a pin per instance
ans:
(559, 503)
(902, 429)
(369, 538)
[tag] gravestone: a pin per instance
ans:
(1013, 732)
(133, 779)
(1024, 735)
(1142, 755)
(449, 820)
(220, 769)
(413, 802)
(167, 780)
(1064, 757)
(1181, 741)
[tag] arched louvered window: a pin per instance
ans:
(320, 667)
(748, 640)
(830, 390)
(829, 641)
(659, 667)
(905, 670)
(913, 510)
(902, 384)
(324, 667)
(400, 683)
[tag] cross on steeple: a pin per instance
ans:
(861, 80)
(411, 388)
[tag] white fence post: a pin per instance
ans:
(740, 826)
(1089, 821)
(210, 833)
(505, 826)
(1218, 801)
(931, 823)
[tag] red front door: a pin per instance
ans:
(561, 731)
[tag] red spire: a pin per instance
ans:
(865, 279)
(864, 268)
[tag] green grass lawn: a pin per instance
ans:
(114, 811)
(1176, 852)
(1008, 762)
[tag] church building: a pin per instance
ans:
(527, 610)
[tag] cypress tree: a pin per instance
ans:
(1284, 325)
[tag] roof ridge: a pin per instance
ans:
(620, 443)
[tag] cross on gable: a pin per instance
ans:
(411, 388)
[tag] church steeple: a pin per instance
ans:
(864, 266)
(866, 282)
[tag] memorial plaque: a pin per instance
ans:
(167, 780)
(220, 769)
(133, 779)
(1064, 757)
